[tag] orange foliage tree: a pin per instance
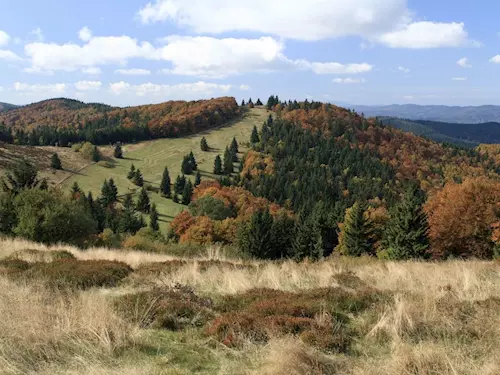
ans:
(463, 217)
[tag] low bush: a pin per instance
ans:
(105, 164)
(31, 255)
(171, 266)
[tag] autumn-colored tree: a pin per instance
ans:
(461, 218)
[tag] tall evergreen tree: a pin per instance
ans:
(228, 161)
(129, 221)
(153, 218)
(95, 155)
(118, 152)
(234, 145)
(356, 232)
(307, 242)
(187, 193)
(76, 192)
(192, 160)
(113, 190)
(204, 144)
(131, 173)
(258, 102)
(243, 104)
(22, 176)
(406, 234)
(197, 179)
(165, 188)
(254, 138)
(179, 184)
(186, 167)
(270, 120)
(255, 237)
(143, 204)
(138, 179)
(55, 162)
(218, 165)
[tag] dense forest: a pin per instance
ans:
(65, 121)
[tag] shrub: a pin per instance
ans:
(31, 255)
(105, 164)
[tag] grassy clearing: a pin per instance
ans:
(152, 157)
(214, 315)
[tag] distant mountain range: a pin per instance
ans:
(442, 113)
(6, 106)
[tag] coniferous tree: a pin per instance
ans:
(22, 176)
(138, 179)
(192, 160)
(179, 184)
(153, 218)
(129, 221)
(55, 162)
(204, 144)
(143, 204)
(118, 152)
(44, 184)
(254, 238)
(270, 120)
(406, 233)
(254, 138)
(218, 165)
(187, 193)
(234, 146)
(228, 161)
(165, 188)
(175, 198)
(96, 155)
(186, 167)
(258, 102)
(131, 173)
(307, 242)
(113, 190)
(197, 179)
(76, 192)
(243, 104)
(356, 232)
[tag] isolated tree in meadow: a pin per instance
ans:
(250, 103)
(254, 138)
(234, 146)
(96, 155)
(22, 176)
(187, 192)
(131, 173)
(118, 153)
(406, 233)
(197, 179)
(143, 204)
(138, 179)
(179, 184)
(165, 188)
(192, 160)
(258, 102)
(218, 165)
(356, 235)
(228, 161)
(186, 167)
(153, 218)
(55, 162)
(204, 144)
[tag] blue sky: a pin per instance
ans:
(357, 51)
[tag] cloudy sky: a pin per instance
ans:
(345, 51)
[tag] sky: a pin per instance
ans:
(135, 52)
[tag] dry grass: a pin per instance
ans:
(435, 318)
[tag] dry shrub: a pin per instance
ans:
(171, 266)
(168, 308)
(33, 255)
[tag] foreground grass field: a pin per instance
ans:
(152, 157)
(104, 311)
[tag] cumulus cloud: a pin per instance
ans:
(38, 34)
(182, 90)
(85, 34)
(92, 71)
(495, 59)
(419, 35)
(337, 68)
(55, 88)
(133, 72)
(459, 79)
(8, 55)
(244, 87)
(4, 38)
(295, 19)
(88, 85)
(349, 81)
(464, 63)
(403, 69)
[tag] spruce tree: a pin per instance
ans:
(356, 232)
(228, 161)
(192, 160)
(187, 193)
(218, 165)
(243, 103)
(143, 204)
(307, 242)
(406, 234)
(179, 184)
(75, 191)
(204, 144)
(270, 120)
(138, 179)
(113, 190)
(197, 179)
(153, 218)
(129, 222)
(118, 153)
(165, 188)
(234, 146)
(55, 162)
(254, 138)
(258, 102)
(131, 173)
(186, 167)
(255, 237)
(106, 194)
(96, 155)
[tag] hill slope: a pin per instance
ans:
(6, 106)
(452, 114)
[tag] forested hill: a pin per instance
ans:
(63, 121)
(6, 106)
(453, 114)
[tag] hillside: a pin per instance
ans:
(65, 121)
(451, 114)
(467, 135)
(6, 106)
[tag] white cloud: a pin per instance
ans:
(495, 59)
(38, 34)
(182, 90)
(98, 51)
(337, 68)
(88, 85)
(92, 71)
(24, 88)
(349, 81)
(245, 87)
(408, 97)
(295, 19)
(38, 71)
(426, 34)
(403, 69)
(459, 79)
(133, 72)
(464, 63)
(8, 55)
(85, 34)
(4, 38)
